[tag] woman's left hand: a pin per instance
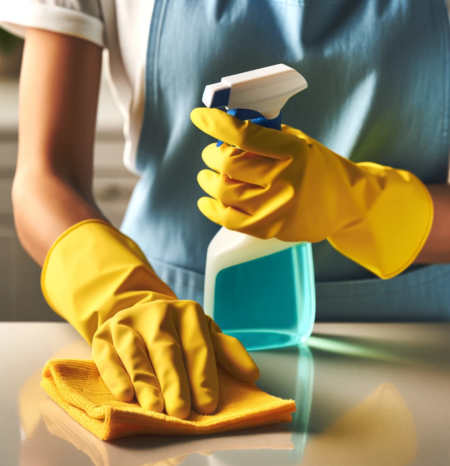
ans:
(284, 184)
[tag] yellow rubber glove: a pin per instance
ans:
(286, 185)
(145, 342)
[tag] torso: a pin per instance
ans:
(369, 78)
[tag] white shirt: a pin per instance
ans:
(122, 26)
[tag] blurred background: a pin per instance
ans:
(20, 294)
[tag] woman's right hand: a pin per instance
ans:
(164, 353)
(146, 343)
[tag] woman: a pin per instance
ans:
(378, 96)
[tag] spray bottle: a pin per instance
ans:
(260, 291)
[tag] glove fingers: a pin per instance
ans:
(245, 135)
(233, 357)
(243, 166)
(231, 193)
(234, 219)
(198, 357)
(214, 156)
(133, 354)
(164, 349)
(285, 129)
(110, 367)
(218, 213)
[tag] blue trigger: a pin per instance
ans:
(254, 117)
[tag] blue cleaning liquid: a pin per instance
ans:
(268, 302)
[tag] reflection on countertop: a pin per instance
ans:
(366, 394)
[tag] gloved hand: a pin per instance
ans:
(145, 342)
(286, 185)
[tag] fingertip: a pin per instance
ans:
(203, 202)
(210, 153)
(207, 404)
(208, 208)
(151, 399)
(202, 176)
(209, 181)
(195, 114)
(251, 373)
(249, 370)
(123, 394)
(201, 205)
(244, 368)
(112, 371)
(177, 396)
(211, 120)
(234, 358)
(199, 115)
(179, 410)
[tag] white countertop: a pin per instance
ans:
(366, 395)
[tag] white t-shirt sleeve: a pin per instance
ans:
(78, 18)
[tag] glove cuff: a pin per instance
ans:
(396, 224)
(93, 271)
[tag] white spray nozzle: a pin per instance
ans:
(265, 90)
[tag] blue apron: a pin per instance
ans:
(378, 75)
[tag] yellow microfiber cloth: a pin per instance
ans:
(77, 387)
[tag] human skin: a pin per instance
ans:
(52, 188)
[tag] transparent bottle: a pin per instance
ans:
(260, 291)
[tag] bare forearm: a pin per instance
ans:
(44, 207)
(437, 247)
(58, 104)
